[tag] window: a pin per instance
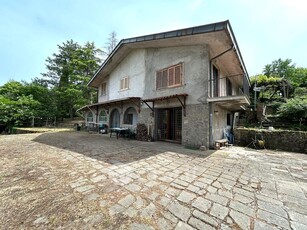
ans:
(169, 77)
(102, 116)
(103, 89)
(124, 83)
(215, 82)
(129, 119)
(130, 116)
(89, 117)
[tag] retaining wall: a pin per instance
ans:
(286, 140)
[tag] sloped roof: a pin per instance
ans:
(219, 36)
(110, 102)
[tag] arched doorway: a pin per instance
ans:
(115, 119)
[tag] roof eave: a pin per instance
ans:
(213, 27)
(238, 52)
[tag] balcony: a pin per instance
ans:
(232, 103)
(232, 95)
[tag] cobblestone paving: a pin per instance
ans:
(140, 185)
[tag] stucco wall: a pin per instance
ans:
(195, 71)
(133, 66)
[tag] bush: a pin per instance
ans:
(294, 109)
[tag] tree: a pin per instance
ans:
(294, 109)
(282, 86)
(299, 77)
(42, 94)
(111, 43)
(12, 90)
(69, 71)
(17, 104)
(280, 68)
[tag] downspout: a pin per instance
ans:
(211, 95)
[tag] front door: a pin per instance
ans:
(169, 124)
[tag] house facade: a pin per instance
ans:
(186, 85)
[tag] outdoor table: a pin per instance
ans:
(118, 131)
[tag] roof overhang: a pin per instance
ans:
(218, 36)
(231, 103)
(106, 104)
(165, 97)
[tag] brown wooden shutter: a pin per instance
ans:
(164, 79)
(159, 80)
(178, 70)
(171, 76)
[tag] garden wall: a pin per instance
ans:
(286, 140)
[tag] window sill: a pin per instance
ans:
(171, 87)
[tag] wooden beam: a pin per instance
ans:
(149, 105)
(182, 104)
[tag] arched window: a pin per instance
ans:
(89, 117)
(131, 116)
(102, 116)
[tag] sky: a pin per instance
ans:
(30, 30)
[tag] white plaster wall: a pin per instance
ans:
(195, 71)
(223, 86)
(133, 66)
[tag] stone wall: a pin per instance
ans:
(293, 141)
(145, 117)
(195, 128)
(195, 125)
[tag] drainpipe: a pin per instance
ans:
(211, 95)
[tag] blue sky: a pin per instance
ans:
(30, 30)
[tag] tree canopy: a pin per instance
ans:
(68, 72)
(283, 85)
(60, 91)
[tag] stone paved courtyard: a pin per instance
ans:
(76, 180)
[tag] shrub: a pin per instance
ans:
(294, 109)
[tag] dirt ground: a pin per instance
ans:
(77, 180)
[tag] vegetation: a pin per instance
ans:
(282, 86)
(69, 71)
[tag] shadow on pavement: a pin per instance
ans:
(111, 150)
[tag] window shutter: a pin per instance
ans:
(164, 79)
(178, 74)
(121, 83)
(171, 76)
(159, 80)
(104, 88)
(126, 83)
